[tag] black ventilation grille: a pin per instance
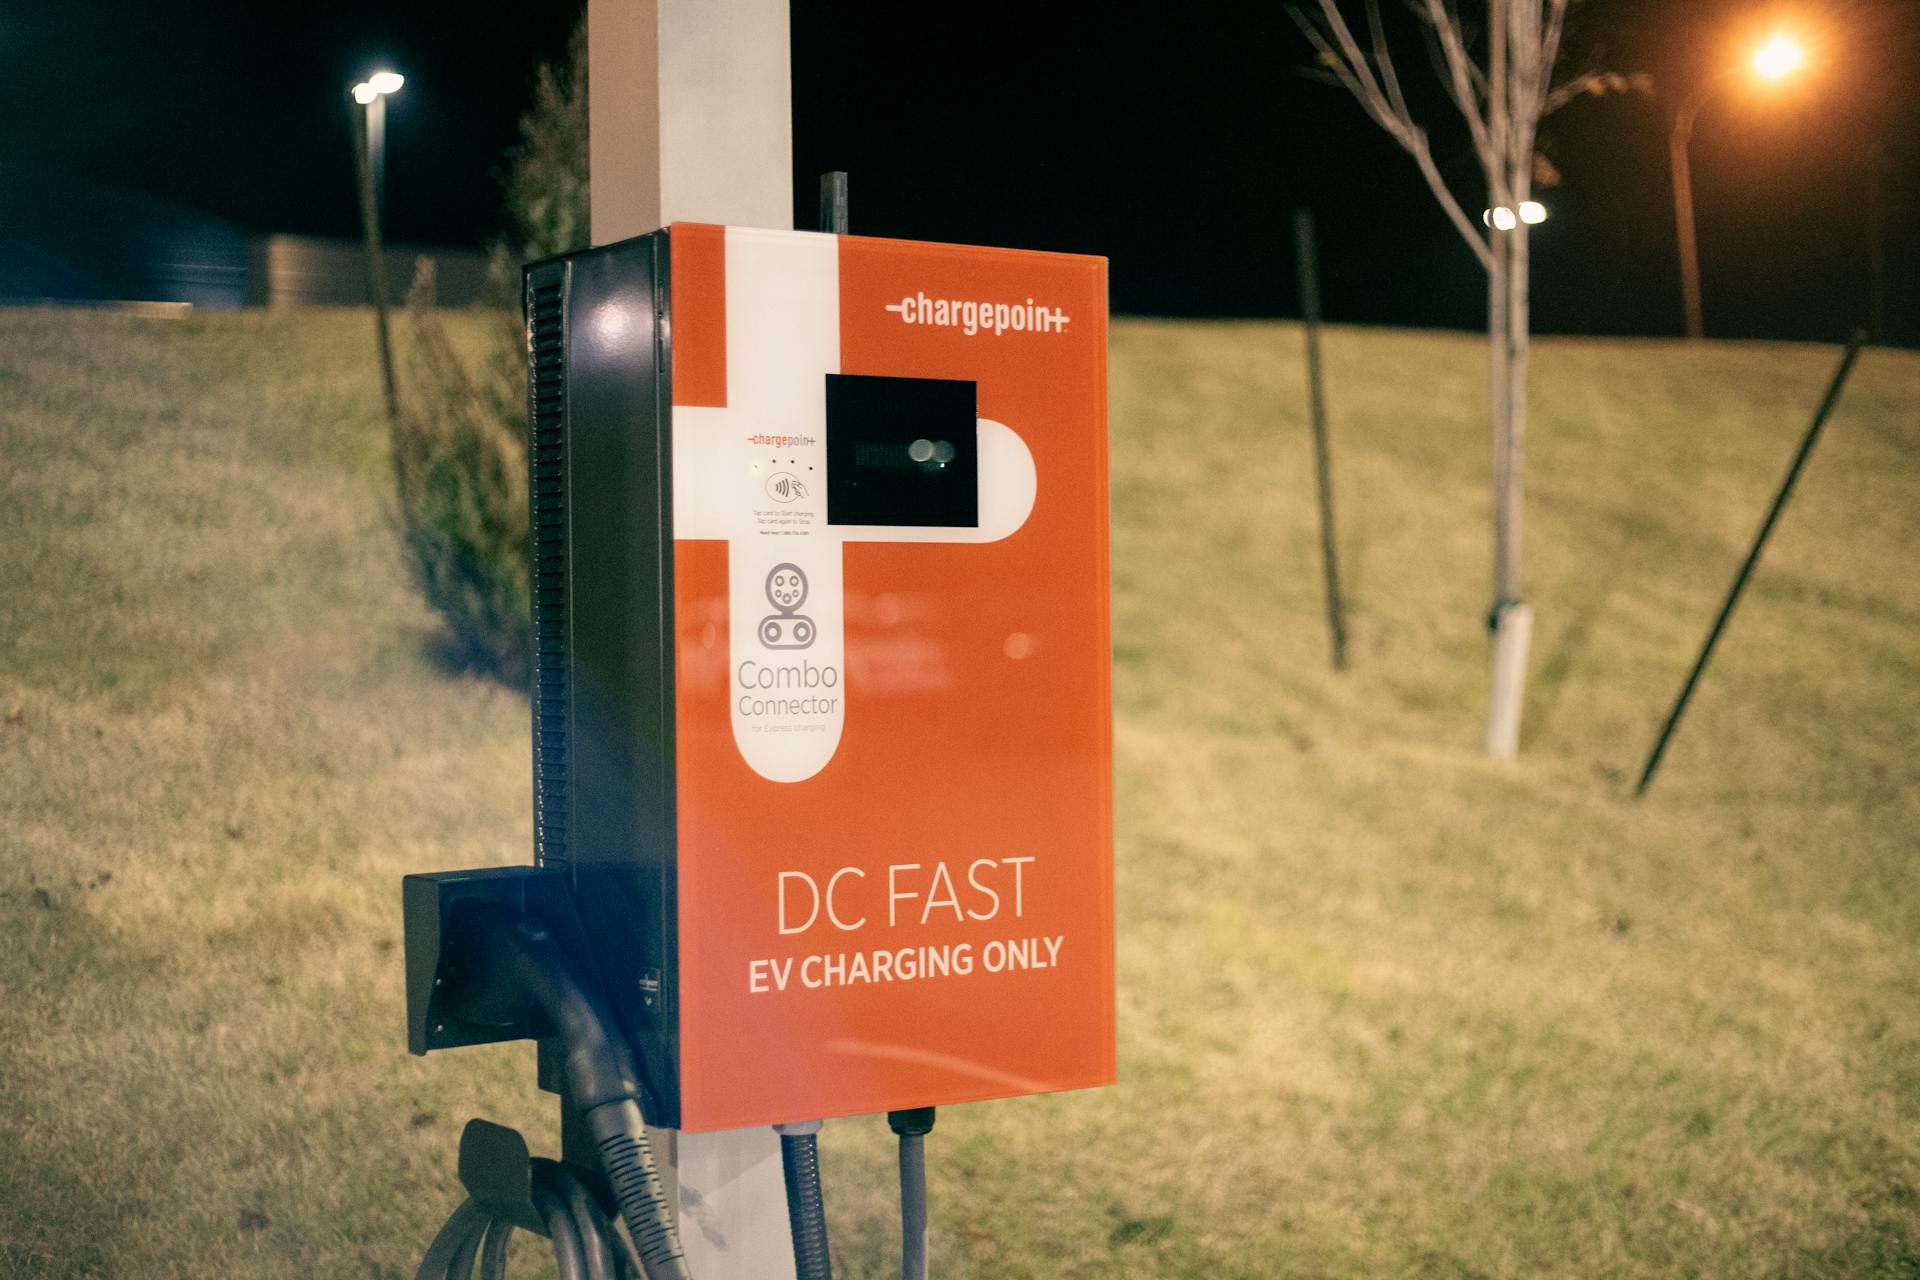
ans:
(547, 492)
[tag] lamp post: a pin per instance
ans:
(370, 162)
(1777, 58)
(371, 94)
(1876, 244)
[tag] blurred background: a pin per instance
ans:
(153, 150)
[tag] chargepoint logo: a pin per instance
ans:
(973, 317)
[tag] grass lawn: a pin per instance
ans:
(1386, 1008)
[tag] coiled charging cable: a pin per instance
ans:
(603, 1084)
(586, 1246)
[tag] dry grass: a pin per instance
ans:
(1386, 1008)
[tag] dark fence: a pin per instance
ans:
(70, 242)
(304, 271)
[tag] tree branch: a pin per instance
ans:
(1550, 52)
(1383, 59)
(1377, 89)
(1464, 225)
(1357, 78)
(1460, 71)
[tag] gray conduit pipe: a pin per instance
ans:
(913, 1127)
(806, 1210)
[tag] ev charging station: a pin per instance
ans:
(821, 724)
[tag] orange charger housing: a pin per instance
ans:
(822, 727)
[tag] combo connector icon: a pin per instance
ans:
(786, 592)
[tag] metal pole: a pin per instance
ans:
(1753, 557)
(376, 260)
(833, 202)
(1677, 143)
(377, 150)
(1876, 246)
(1307, 259)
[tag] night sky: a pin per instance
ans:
(1175, 140)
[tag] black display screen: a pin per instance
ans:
(902, 451)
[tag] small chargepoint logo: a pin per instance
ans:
(786, 592)
(972, 316)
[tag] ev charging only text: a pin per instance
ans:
(988, 892)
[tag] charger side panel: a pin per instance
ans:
(603, 589)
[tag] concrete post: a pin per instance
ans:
(690, 114)
(690, 119)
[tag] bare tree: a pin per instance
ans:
(1502, 101)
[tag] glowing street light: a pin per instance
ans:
(1780, 56)
(1773, 61)
(1531, 212)
(371, 93)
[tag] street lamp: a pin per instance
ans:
(370, 163)
(1531, 212)
(1778, 58)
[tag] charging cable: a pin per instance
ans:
(520, 954)
(586, 1246)
(603, 1084)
